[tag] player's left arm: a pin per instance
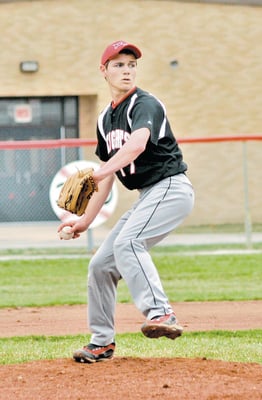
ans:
(94, 205)
(126, 155)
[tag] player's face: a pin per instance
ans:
(120, 73)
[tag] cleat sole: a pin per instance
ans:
(157, 331)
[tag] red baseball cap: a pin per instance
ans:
(114, 49)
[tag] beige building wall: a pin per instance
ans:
(214, 90)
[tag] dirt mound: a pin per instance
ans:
(131, 378)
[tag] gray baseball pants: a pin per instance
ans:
(124, 254)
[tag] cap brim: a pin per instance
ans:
(134, 50)
(113, 50)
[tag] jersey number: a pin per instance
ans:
(132, 169)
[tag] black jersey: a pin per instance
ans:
(162, 156)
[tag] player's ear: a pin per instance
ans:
(103, 70)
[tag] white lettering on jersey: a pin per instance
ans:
(114, 141)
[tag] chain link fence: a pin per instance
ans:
(225, 191)
(25, 179)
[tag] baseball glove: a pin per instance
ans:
(77, 191)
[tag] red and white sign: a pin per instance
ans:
(56, 186)
(23, 113)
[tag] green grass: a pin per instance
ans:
(221, 228)
(187, 277)
(45, 282)
(207, 248)
(240, 346)
(45, 251)
(83, 251)
(212, 277)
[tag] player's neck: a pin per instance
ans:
(118, 97)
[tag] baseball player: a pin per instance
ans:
(136, 144)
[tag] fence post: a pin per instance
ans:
(62, 150)
(90, 240)
(248, 223)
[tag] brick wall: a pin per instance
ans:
(214, 89)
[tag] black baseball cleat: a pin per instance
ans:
(165, 325)
(93, 353)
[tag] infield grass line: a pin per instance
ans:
(235, 346)
(41, 282)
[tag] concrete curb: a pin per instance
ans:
(44, 235)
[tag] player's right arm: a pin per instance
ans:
(135, 145)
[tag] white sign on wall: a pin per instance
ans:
(23, 113)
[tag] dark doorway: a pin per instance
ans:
(26, 175)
